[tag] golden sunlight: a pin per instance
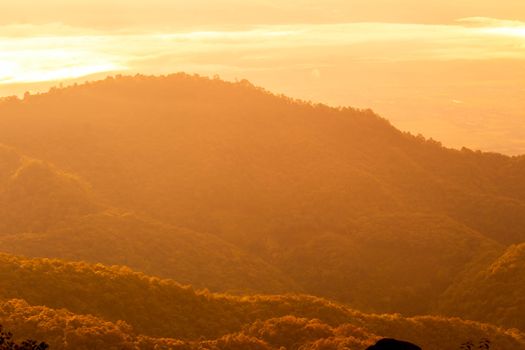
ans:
(65, 55)
(262, 174)
(507, 31)
(394, 60)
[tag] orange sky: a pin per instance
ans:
(452, 70)
(206, 13)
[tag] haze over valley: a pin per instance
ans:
(296, 176)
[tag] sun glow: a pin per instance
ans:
(31, 57)
(391, 67)
(59, 73)
(507, 31)
(38, 59)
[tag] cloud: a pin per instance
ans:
(490, 22)
(36, 53)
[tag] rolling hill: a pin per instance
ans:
(50, 213)
(493, 294)
(237, 161)
(229, 187)
(389, 263)
(82, 306)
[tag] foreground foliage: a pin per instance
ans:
(7, 342)
(87, 306)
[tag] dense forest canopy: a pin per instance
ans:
(227, 187)
(93, 306)
(47, 212)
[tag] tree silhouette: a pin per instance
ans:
(484, 344)
(393, 344)
(469, 345)
(7, 342)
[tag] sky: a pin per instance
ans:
(450, 70)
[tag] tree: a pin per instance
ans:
(7, 342)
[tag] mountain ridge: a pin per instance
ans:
(227, 186)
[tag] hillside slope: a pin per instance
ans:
(232, 159)
(297, 188)
(49, 213)
(493, 294)
(140, 308)
(389, 263)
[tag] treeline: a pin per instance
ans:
(64, 330)
(275, 195)
(131, 308)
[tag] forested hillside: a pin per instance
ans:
(389, 263)
(494, 294)
(228, 187)
(234, 160)
(49, 213)
(131, 310)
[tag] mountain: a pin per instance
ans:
(49, 213)
(227, 186)
(493, 294)
(389, 263)
(35, 196)
(237, 161)
(83, 306)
